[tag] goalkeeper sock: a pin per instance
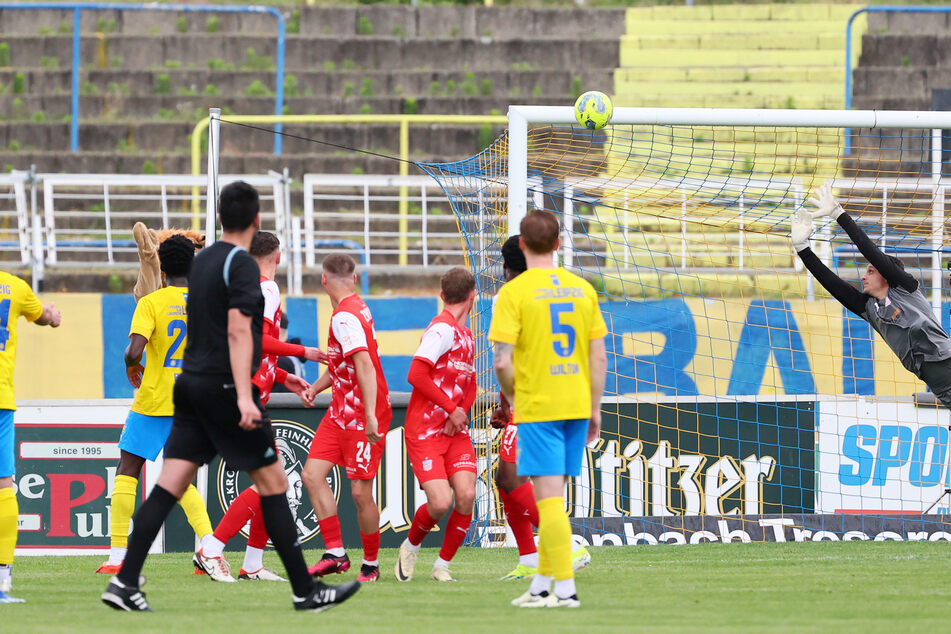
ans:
(196, 512)
(242, 509)
(524, 496)
(148, 521)
(333, 538)
(521, 526)
(554, 536)
(423, 522)
(456, 529)
(283, 531)
(123, 504)
(9, 512)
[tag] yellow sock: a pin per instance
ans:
(123, 504)
(9, 510)
(554, 536)
(196, 511)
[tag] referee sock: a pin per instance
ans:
(9, 512)
(280, 526)
(148, 521)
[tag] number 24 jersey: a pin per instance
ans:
(550, 316)
(161, 318)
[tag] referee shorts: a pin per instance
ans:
(551, 447)
(206, 423)
(7, 448)
(144, 435)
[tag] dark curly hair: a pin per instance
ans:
(512, 256)
(175, 255)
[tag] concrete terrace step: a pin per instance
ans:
(747, 12)
(698, 88)
(906, 51)
(732, 74)
(686, 26)
(746, 41)
(631, 56)
(145, 52)
(730, 101)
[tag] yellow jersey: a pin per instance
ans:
(550, 316)
(16, 298)
(161, 318)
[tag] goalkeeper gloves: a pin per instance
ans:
(800, 229)
(826, 204)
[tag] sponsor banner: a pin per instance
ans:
(876, 456)
(617, 531)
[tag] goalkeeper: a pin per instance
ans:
(891, 301)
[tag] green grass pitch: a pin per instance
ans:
(847, 587)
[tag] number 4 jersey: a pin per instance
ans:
(161, 318)
(549, 315)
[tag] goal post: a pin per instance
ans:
(737, 389)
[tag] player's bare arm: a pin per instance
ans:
(133, 359)
(318, 386)
(50, 317)
(598, 367)
(366, 379)
(315, 354)
(240, 351)
(504, 368)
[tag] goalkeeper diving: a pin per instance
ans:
(891, 299)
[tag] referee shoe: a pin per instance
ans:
(122, 597)
(324, 596)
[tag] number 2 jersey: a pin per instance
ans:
(16, 298)
(161, 318)
(351, 330)
(448, 348)
(550, 316)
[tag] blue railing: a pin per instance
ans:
(79, 7)
(848, 49)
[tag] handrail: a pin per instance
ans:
(79, 7)
(403, 120)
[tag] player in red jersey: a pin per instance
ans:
(352, 432)
(266, 250)
(517, 492)
(437, 426)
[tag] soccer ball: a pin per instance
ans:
(593, 109)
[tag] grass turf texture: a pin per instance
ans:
(853, 586)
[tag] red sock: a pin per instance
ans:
(456, 529)
(330, 529)
(519, 523)
(423, 522)
(524, 496)
(257, 537)
(371, 545)
(245, 506)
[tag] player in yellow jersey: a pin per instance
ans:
(16, 298)
(550, 360)
(159, 328)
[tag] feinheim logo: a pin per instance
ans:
(293, 443)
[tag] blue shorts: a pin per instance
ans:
(551, 447)
(144, 435)
(7, 453)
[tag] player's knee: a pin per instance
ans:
(312, 479)
(363, 499)
(464, 501)
(438, 505)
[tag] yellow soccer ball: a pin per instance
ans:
(593, 109)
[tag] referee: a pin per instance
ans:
(217, 409)
(892, 301)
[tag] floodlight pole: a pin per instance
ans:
(211, 214)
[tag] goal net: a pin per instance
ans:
(742, 401)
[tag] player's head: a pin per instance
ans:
(513, 260)
(458, 286)
(539, 232)
(873, 282)
(238, 206)
(338, 272)
(175, 256)
(265, 247)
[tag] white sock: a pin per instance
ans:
(540, 583)
(116, 555)
(375, 562)
(213, 548)
(206, 541)
(337, 552)
(530, 560)
(564, 588)
(253, 559)
(6, 570)
(440, 562)
(411, 546)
